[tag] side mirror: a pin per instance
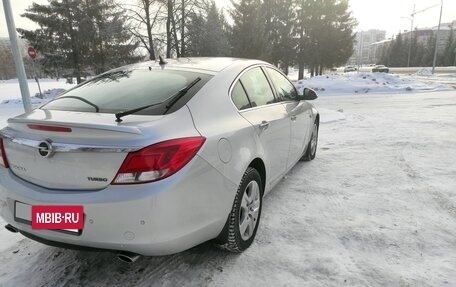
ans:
(308, 95)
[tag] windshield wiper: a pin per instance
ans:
(171, 101)
(129, 112)
(180, 94)
(97, 109)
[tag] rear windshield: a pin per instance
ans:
(119, 91)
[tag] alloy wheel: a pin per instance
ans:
(250, 207)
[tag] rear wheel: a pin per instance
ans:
(311, 150)
(242, 223)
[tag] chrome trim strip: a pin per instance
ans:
(64, 147)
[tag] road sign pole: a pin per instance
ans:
(32, 54)
(36, 78)
(17, 56)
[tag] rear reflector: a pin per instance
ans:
(3, 160)
(50, 128)
(158, 161)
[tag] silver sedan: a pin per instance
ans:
(159, 156)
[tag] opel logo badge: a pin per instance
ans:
(45, 148)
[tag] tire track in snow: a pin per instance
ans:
(441, 199)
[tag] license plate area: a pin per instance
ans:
(23, 214)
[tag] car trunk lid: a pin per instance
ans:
(71, 150)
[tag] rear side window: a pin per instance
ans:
(257, 87)
(239, 97)
(119, 91)
(285, 90)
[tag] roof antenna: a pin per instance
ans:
(162, 61)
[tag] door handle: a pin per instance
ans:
(293, 118)
(264, 125)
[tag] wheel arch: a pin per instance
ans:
(258, 164)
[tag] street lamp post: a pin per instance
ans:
(360, 49)
(412, 19)
(437, 38)
(411, 36)
(17, 56)
(410, 43)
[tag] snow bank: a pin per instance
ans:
(424, 72)
(49, 94)
(38, 99)
(10, 89)
(363, 83)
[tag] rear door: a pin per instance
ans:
(299, 113)
(269, 118)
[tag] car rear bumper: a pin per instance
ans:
(157, 218)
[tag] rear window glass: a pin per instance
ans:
(239, 97)
(257, 87)
(285, 90)
(119, 91)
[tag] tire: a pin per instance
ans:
(311, 150)
(246, 211)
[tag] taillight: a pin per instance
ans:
(158, 161)
(50, 128)
(3, 160)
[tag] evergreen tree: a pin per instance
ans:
(207, 36)
(398, 52)
(325, 30)
(248, 37)
(58, 39)
(195, 32)
(279, 16)
(110, 40)
(418, 55)
(448, 58)
(215, 37)
(7, 68)
(428, 55)
(384, 58)
(80, 37)
(414, 50)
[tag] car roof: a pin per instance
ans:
(200, 64)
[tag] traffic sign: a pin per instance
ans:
(32, 53)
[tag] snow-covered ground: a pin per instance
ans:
(10, 95)
(10, 90)
(368, 83)
(377, 207)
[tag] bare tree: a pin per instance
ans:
(163, 24)
(170, 10)
(144, 17)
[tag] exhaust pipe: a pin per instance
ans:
(128, 257)
(11, 228)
